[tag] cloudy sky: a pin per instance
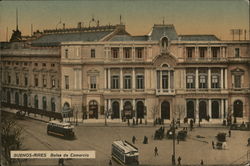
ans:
(189, 16)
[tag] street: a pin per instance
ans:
(192, 151)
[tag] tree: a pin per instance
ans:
(10, 137)
(179, 111)
(154, 112)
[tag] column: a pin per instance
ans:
(226, 108)
(169, 77)
(209, 52)
(225, 79)
(209, 78)
(210, 108)
(109, 106)
(160, 80)
(133, 53)
(105, 106)
(221, 79)
(121, 79)
(75, 78)
(196, 79)
(133, 79)
(109, 79)
(222, 108)
(121, 108)
(197, 110)
(105, 79)
(80, 78)
(134, 108)
(196, 53)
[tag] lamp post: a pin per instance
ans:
(173, 155)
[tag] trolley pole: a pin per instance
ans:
(173, 156)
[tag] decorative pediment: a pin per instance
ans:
(237, 70)
(165, 58)
(93, 72)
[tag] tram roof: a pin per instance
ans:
(61, 124)
(127, 147)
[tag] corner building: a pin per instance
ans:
(106, 71)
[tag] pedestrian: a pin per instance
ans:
(133, 139)
(178, 139)
(156, 151)
(191, 124)
(229, 133)
(179, 160)
(61, 162)
(213, 144)
(110, 163)
(145, 140)
(202, 162)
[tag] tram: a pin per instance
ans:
(60, 129)
(125, 153)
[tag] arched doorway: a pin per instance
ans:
(8, 97)
(53, 105)
(140, 109)
(190, 109)
(238, 108)
(25, 100)
(44, 103)
(16, 98)
(116, 110)
(128, 109)
(165, 110)
(93, 109)
(36, 101)
(202, 110)
(215, 110)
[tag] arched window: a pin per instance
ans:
(115, 110)
(8, 97)
(202, 110)
(36, 101)
(165, 110)
(215, 110)
(164, 42)
(53, 105)
(93, 109)
(238, 109)
(140, 109)
(128, 108)
(190, 109)
(25, 100)
(16, 98)
(44, 103)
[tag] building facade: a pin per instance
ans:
(104, 71)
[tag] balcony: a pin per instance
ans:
(165, 92)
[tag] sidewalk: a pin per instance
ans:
(114, 122)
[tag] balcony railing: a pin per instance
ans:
(165, 92)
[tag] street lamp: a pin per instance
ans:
(173, 155)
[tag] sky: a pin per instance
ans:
(188, 16)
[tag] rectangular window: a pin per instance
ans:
(203, 81)
(114, 52)
(189, 52)
(127, 52)
(92, 53)
(140, 82)
(25, 64)
(36, 80)
(44, 64)
(53, 82)
(26, 80)
(93, 82)
(9, 79)
(66, 53)
(115, 82)
(237, 81)
(215, 81)
(36, 64)
(165, 80)
(52, 65)
(139, 53)
(127, 82)
(190, 81)
(44, 81)
(66, 78)
(214, 52)
(202, 52)
(237, 52)
(17, 79)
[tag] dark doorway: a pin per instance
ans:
(128, 109)
(16, 98)
(215, 110)
(165, 110)
(140, 109)
(53, 105)
(93, 109)
(238, 108)
(202, 110)
(25, 100)
(8, 97)
(190, 109)
(44, 103)
(116, 110)
(36, 102)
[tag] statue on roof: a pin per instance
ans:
(16, 36)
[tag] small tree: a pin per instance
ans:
(154, 112)
(10, 137)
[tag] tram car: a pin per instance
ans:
(125, 153)
(60, 129)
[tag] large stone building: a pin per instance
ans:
(104, 70)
